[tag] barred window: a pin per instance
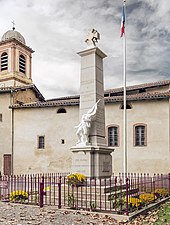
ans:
(140, 135)
(4, 61)
(41, 142)
(22, 64)
(113, 136)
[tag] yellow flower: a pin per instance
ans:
(135, 202)
(47, 188)
(75, 178)
(162, 192)
(18, 195)
(147, 197)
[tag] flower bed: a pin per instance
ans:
(146, 198)
(18, 196)
(76, 179)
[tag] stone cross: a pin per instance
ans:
(92, 37)
(13, 22)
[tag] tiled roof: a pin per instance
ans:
(17, 42)
(63, 102)
(68, 102)
(74, 100)
(139, 86)
(138, 97)
(63, 98)
(20, 88)
(6, 89)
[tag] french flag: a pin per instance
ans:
(122, 28)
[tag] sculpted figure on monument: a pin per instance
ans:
(85, 124)
(92, 37)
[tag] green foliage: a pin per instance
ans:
(164, 214)
(71, 200)
(119, 200)
(158, 216)
(92, 206)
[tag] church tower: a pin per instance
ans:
(15, 60)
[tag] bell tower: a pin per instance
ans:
(15, 60)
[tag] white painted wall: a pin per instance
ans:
(31, 123)
(56, 157)
(153, 158)
(5, 128)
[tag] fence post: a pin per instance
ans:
(59, 193)
(121, 193)
(127, 196)
(169, 182)
(41, 192)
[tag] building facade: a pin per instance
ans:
(36, 134)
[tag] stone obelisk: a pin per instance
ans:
(91, 156)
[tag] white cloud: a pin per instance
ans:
(55, 29)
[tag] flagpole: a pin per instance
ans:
(124, 101)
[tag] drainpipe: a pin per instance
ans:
(12, 163)
(169, 126)
(12, 134)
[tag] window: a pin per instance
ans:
(140, 135)
(113, 136)
(22, 64)
(41, 142)
(61, 110)
(4, 61)
(0, 117)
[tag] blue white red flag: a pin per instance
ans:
(122, 29)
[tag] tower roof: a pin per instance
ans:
(13, 34)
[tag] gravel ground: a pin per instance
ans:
(15, 214)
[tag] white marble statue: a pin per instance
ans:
(84, 126)
(92, 37)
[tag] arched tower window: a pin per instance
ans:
(4, 61)
(22, 64)
(61, 110)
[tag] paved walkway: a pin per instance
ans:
(17, 214)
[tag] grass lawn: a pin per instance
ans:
(163, 214)
(159, 216)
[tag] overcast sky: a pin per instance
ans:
(56, 29)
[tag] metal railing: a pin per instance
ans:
(105, 194)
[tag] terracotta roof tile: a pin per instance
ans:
(32, 86)
(138, 97)
(68, 102)
(74, 100)
(139, 86)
